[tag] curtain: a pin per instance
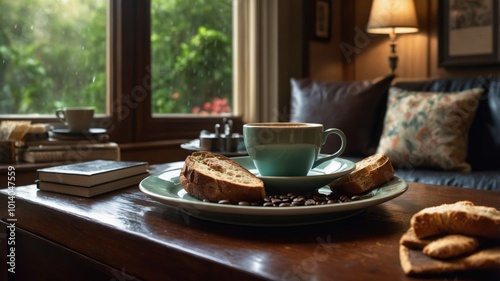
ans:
(255, 40)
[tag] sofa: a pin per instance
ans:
(437, 131)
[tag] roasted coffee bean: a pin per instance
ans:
(310, 202)
(224, 202)
(299, 198)
(343, 198)
(276, 201)
(244, 203)
(318, 197)
(356, 197)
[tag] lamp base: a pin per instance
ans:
(393, 63)
(393, 57)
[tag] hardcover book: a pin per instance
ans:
(93, 190)
(91, 173)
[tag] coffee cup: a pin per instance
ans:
(288, 149)
(77, 119)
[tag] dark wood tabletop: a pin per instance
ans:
(125, 235)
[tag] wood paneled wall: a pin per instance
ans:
(353, 54)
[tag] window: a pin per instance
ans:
(136, 73)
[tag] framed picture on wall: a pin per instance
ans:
(322, 20)
(468, 33)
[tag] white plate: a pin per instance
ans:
(165, 188)
(316, 178)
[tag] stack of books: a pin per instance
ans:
(68, 147)
(91, 178)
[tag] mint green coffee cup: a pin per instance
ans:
(288, 149)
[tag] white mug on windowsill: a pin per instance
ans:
(77, 119)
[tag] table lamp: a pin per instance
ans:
(392, 17)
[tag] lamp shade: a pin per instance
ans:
(392, 16)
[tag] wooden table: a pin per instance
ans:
(126, 235)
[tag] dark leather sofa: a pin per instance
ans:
(325, 102)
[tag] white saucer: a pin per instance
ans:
(316, 178)
(164, 187)
(91, 131)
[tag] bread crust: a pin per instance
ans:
(204, 186)
(371, 172)
(462, 217)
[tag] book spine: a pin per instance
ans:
(71, 155)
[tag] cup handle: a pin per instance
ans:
(60, 115)
(336, 154)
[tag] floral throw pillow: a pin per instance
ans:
(428, 129)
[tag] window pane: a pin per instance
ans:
(52, 54)
(191, 46)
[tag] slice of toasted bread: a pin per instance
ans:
(462, 217)
(214, 177)
(370, 172)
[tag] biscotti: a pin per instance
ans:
(462, 217)
(451, 237)
(371, 172)
(214, 177)
(451, 246)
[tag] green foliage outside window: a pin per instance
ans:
(192, 56)
(53, 54)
